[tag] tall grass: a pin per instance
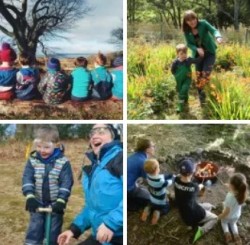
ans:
(151, 86)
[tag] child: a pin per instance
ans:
(81, 80)
(47, 181)
(27, 79)
(181, 69)
(117, 76)
(101, 78)
(7, 72)
(55, 83)
(157, 187)
(232, 207)
(197, 215)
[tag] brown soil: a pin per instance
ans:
(69, 110)
(173, 142)
(13, 218)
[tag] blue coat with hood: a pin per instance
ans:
(103, 188)
(48, 179)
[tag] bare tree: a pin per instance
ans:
(117, 37)
(29, 22)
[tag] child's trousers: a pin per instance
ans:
(36, 230)
(183, 89)
(210, 219)
(230, 222)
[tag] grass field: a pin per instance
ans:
(13, 217)
(151, 86)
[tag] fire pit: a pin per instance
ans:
(206, 171)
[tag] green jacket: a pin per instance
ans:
(206, 33)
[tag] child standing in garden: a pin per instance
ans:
(181, 69)
(27, 79)
(157, 188)
(54, 85)
(194, 214)
(47, 181)
(232, 207)
(81, 80)
(199, 37)
(7, 72)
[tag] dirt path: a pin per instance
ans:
(192, 112)
(13, 218)
(231, 141)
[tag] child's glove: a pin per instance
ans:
(31, 203)
(59, 206)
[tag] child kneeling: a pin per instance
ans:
(157, 188)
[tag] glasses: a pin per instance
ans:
(99, 131)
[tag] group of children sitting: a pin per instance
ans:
(195, 215)
(55, 86)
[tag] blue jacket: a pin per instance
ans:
(103, 192)
(8, 76)
(81, 79)
(135, 168)
(117, 89)
(48, 179)
(100, 74)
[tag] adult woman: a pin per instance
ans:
(102, 184)
(138, 197)
(199, 35)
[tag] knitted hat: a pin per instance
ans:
(54, 64)
(7, 54)
(186, 167)
(118, 61)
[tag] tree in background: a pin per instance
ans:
(117, 37)
(218, 12)
(30, 22)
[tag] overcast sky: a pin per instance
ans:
(92, 33)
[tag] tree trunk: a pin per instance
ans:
(236, 15)
(27, 46)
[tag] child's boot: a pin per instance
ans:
(180, 107)
(155, 217)
(228, 237)
(198, 234)
(145, 213)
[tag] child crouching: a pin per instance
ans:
(232, 207)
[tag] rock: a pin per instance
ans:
(161, 160)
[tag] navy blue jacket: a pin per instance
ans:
(8, 76)
(48, 179)
(135, 168)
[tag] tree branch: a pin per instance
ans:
(5, 31)
(24, 7)
(6, 14)
(15, 10)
